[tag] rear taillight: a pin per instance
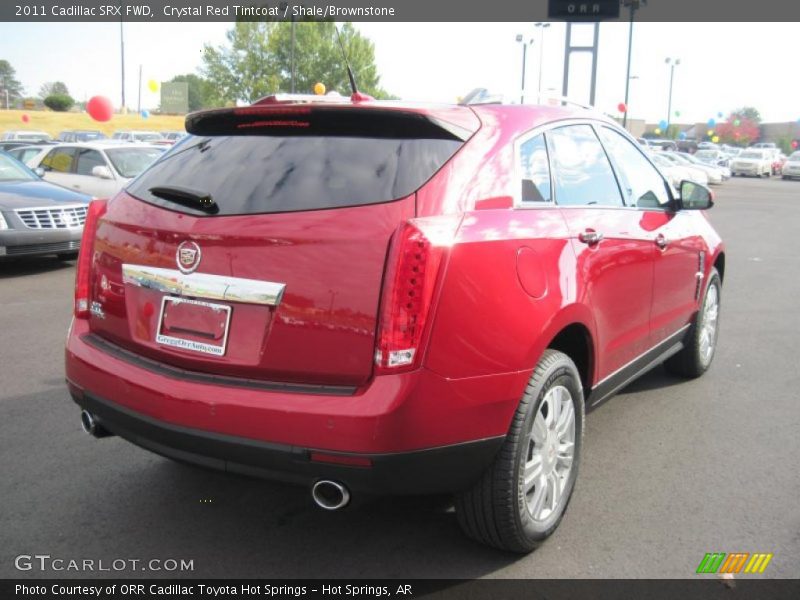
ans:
(83, 271)
(416, 254)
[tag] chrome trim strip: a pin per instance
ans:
(642, 355)
(203, 285)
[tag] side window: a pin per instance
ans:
(534, 170)
(642, 184)
(581, 171)
(59, 160)
(88, 160)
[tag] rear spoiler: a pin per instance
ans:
(340, 120)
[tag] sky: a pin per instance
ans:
(723, 65)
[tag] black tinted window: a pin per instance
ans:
(265, 174)
(581, 170)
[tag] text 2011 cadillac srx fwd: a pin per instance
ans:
(391, 298)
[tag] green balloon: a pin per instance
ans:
(677, 113)
(736, 122)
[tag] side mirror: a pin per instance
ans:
(695, 196)
(39, 171)
(102, 172)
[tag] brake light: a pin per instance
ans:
(83, 270)
(412, 271)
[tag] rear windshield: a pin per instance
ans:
(253, 174)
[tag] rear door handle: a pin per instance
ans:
(661, 241)
(590, 236)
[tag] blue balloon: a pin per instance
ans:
(662, 124)
(682, 135)
(145, 113)
(719, 115)
(711, 123)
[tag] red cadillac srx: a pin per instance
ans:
(366, 297)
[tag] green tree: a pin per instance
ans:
(201, 92)
(59, 102)
(53, 87)
(9, 83)
(749, 113)
(257, 61)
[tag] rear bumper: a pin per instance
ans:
(431, 471)
(420, 432)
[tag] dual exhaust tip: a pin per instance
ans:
(327, 494)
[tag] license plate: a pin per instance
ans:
(193, 325)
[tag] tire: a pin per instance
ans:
(696, 356)
(497, 511)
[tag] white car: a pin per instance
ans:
(714, 158)
(696, 174)
(26, 136)
(675, 172)
(714, 174)
(791, 168)
(136, 136)
(98, 169)
(753, 161)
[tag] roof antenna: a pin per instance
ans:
(356, 96)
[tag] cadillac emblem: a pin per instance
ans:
(188, 257)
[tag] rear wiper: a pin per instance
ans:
(186, 197)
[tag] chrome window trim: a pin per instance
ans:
(204, 285)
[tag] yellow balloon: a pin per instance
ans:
(710, 132)
(319, 88)
(153, 85)
(657, 130)
(715, 139)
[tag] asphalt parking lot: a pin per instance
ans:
(672, 469)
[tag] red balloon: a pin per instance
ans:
(100, 108)
(622, 108)
(25, 118)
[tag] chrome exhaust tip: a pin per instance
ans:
(330, 495)
(92, 426)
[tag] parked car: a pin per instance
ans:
(81, 135)
(713, 158)
(37, 217)
(25, 153)
(688, 146)
(707, 146)
(752, 161)
(96, 168)
(715, 175)
(419, 299)
(675, 172)
(695, 173)
(26, 135)
(136, 136)
(660, 144)
(172, 136)
(791, 168)
(778, 160)
(730, 151)
(763, 145)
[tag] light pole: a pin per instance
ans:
(541, 26)
(632, 6)
(122, 59)
(525, 45)
(672, 62)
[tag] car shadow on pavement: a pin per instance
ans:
(655, 379)
(21, 267)
(76, 496)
